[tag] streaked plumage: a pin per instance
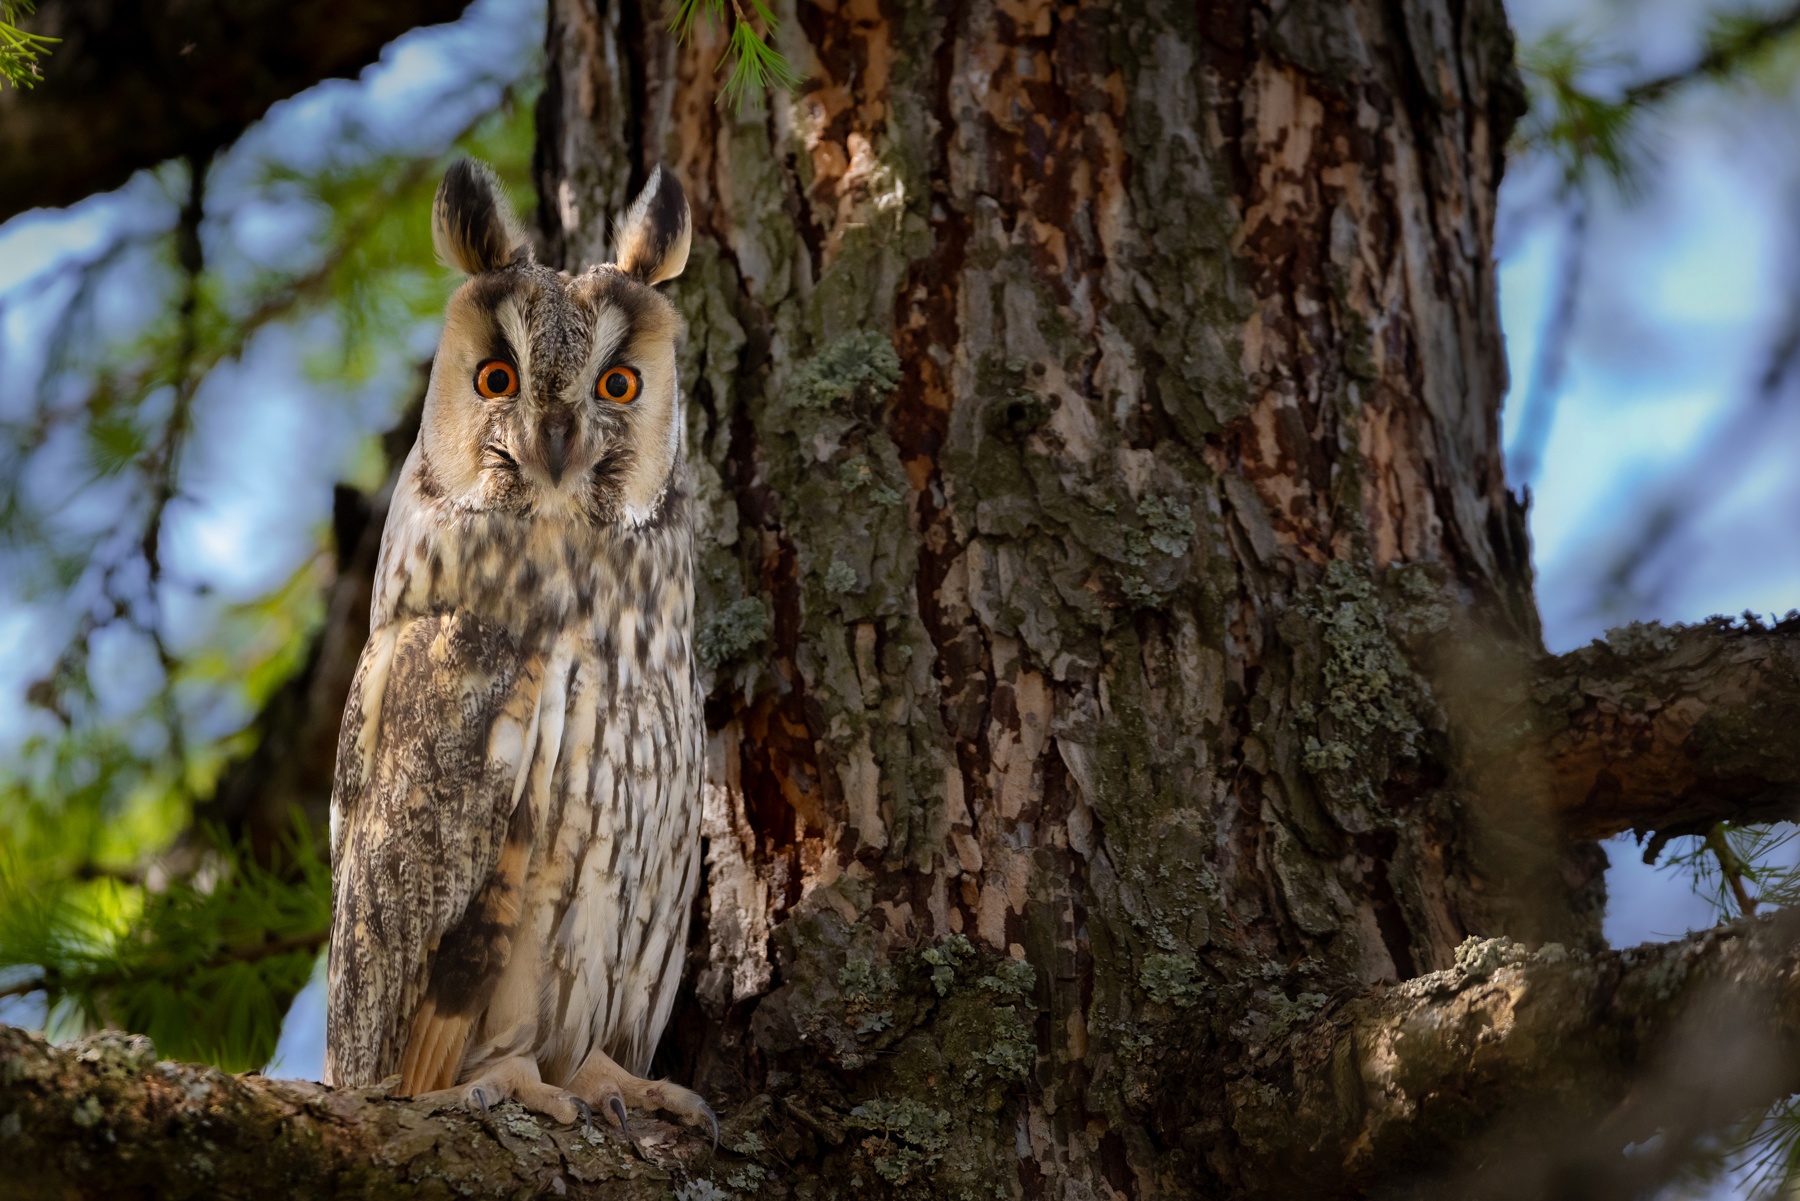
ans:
(516, 814)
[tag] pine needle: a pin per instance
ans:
(20, 51)
(1592, 133)
(206, 966)
(756, 64)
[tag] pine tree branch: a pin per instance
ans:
(100, 1118)
(133, 84)
(253, 953)
(1587, 128)
(1539, 1067)
(1673, 729)
(1726, 51)
(1732, 868)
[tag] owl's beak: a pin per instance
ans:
(555, 440)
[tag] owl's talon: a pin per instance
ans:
(604, 1082)
(479, 1096)
(616, 1103)
(712, 1118)
(585, 1110)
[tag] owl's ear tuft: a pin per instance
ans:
(472, 226)
(652, 238)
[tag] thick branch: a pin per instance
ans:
(1673, 729)
(131, 84)
(101, 1118)
(1534, 1066)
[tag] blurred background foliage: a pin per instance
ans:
(215, 344)
(200, 367)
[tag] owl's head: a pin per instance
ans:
(554, 394)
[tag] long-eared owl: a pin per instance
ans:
(515, 820)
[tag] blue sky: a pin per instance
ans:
(272, 437)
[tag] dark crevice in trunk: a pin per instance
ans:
(636, 48)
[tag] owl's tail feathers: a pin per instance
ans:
(434, 1050)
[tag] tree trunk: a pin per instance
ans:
(1108, 558)
(1134, 770)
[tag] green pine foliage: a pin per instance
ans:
(1586, 132)
(1742, 869)
(204, 962)
(755, 63)
(20, 51)
(1596, 132)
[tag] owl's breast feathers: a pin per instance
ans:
(479, 626)
(534, 572)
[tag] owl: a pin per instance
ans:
(515, 818)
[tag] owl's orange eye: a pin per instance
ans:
(494, 379)
(618, 384)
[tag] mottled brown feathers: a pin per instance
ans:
(420, 817)
(515, 819)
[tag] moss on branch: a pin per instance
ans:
(1547, 1062)
(102, 1117)
(1498, 1058)
(1674, 728)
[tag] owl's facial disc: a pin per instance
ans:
(554, 395)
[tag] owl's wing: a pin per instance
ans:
(428, 844)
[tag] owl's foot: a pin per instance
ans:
(517, 1079)
(611, 1089)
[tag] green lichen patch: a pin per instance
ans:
(1366, 704)
(867, 987)
(840, 576)
(940, 1038)
(862, 362)
(731, 633)
(1424, 608)
(746, 1178)
(1276, 1015)
(857, 473)
(1009, 978)
(945, 959)
(1168, 525)
(1151, 550)
(1641, 639)
(1479, 958)
(1171, 980)
(908, 1137)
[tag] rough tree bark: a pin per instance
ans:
(1134, 767)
